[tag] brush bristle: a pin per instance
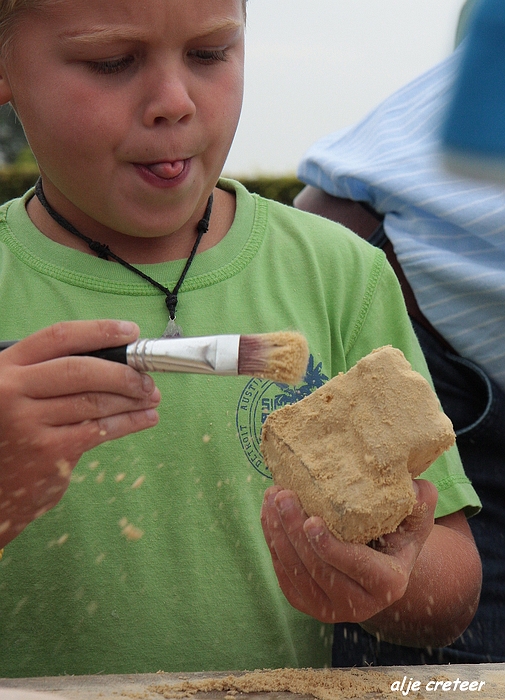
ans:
(281, 357)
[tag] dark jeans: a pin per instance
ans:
(476, 407)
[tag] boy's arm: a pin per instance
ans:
(55, 407)
(418, 587)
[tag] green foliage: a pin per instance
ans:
(25, 158)
(12, 137)
(16, 179)
(282, 189)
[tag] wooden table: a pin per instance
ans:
(489, 677)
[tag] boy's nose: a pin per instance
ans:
(168, 100)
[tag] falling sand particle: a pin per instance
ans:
(138, 482)
(324, 684)
(131, 532)
(64, 468)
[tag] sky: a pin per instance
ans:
(315, 66)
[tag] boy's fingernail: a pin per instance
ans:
(148, 384)
(127, 327)
(151, 415)
(313, 530)
(284, 503)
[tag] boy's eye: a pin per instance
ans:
(209, 55)
(110, 66)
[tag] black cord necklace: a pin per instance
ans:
(104, 252)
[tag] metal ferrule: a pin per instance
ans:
(203, 355)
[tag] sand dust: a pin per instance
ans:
(322, 684)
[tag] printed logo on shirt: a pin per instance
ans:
(259, 398)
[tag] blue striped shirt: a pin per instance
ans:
(447, 231)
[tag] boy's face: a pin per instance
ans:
(130, 106)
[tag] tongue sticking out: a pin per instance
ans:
(167, 170)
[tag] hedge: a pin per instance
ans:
(283, 189)
(15, 180)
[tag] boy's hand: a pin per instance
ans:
(336, 581)
(55, 407)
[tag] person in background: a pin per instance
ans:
(444, 234)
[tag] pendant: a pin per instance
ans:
(172, 330)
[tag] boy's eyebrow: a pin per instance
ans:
(104, 34)
(100, 34)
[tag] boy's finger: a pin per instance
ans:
(280, 545)
(280, 549)
(293, 549)
(292, 518)
(65, 376)
(71, 337)
(68, 410)
(89, 434)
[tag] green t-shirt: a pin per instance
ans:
(154, 558)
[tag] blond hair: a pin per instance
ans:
(11, 12)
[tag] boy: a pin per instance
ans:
(147, 553)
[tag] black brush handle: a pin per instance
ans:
(117, 354)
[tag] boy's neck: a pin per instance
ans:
(140, 251)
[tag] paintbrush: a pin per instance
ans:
(281, 357)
